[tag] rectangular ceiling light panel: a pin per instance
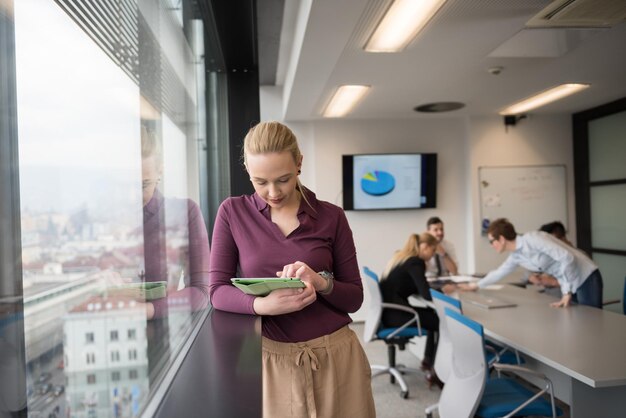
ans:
(344, 100)
(543, 98)
(402, 22)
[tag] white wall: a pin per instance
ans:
(379, 233)
(534, 141)
(462, 145)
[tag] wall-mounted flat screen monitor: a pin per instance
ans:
(389, 181)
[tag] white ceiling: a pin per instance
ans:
(321, 48)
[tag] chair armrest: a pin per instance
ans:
(415, 319)
(507, 367)
(419, 302)
(519, 369)
(496, 355)
(395, 306)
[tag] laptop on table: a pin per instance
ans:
(486, 301)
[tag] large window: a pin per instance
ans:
(599, 150)
(112, 242)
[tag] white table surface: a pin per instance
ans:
(585, 343)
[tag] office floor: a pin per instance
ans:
(389, 404)
(387, 398)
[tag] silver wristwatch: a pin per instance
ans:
(330, 281)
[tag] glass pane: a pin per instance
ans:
(80, 167)
(607, 148)
(115, 249)
(608, 218)
(613, 269)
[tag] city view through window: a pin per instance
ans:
(111, 251)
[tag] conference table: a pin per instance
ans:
(581, 349)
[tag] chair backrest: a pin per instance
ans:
(374, 309)
(464, 388)
(443, 359)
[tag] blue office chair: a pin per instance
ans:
(495, 352)
(468, 392)
(394, 337)
(443, 360)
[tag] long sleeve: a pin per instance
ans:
(417, 270)
(509, 265)
(196, 294)
(224, 259)
(567, 270)
(347, 294)
(246, 243)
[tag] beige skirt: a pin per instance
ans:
(326, 377)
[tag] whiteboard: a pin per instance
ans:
(528, 196)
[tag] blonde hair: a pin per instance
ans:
(267, 137)
(411, 249)
(150, 145)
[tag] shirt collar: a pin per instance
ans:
(520, 243)
(308, 208)
(154, 204)
(311, 207)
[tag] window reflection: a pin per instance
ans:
(114, 245)
(116, 370)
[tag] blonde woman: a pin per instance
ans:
(177, 216)
(313, 364)
(405, 276)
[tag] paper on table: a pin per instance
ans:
(462, 279)
(494, 286)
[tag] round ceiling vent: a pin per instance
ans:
(439, 107)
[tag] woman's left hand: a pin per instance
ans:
(303, 272)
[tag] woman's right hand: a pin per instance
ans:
(282, 301)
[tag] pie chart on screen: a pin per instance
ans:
(377, 183)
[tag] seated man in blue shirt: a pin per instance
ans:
(539, 251)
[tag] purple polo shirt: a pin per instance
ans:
(245, 240)
(181, 221)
